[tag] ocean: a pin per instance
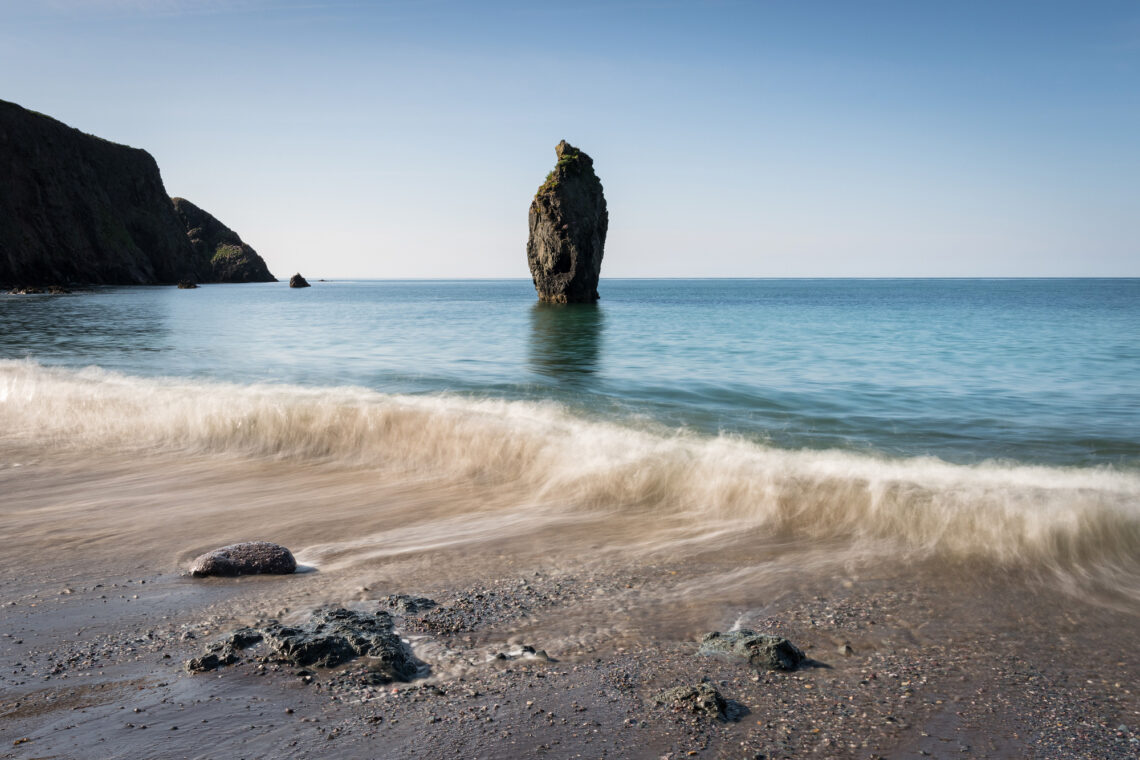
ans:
(932, 418)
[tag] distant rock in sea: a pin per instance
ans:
(297, 281)
(568, 222)
(222, 256)
(79, 209)
(187, 284)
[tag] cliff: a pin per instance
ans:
(568, 222)
(77, 208)
(221, 254)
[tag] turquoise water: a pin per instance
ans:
(1022, 371)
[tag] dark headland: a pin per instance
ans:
(78, 209)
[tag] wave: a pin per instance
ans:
(692, 485)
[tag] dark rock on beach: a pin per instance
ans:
(331, 637)
(248, 558)
(77, 208)
(568, 222)
(297, 281)
(701, 699)
(222, 255)
(763, 651)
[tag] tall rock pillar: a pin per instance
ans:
(568, 222)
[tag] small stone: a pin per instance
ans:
(248, 558)
(701, 699)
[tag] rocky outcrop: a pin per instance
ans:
(297, 281)
(763, 651)
(331, 637)
(568, 223)
(221, 254)
(247, 558)
(75, 208)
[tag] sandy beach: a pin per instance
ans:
(907, 658)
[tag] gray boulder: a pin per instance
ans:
(248, 558)
(568, 222)
(763, 651)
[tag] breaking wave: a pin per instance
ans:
(1075, 518)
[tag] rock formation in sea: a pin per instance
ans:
(297, 281)
(75, 208)
(568, 223)
(222, 256)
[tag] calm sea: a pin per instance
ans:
(1022, 371)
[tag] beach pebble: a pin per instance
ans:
(248, 558)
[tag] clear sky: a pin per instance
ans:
(770, 138)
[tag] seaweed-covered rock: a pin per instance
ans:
(701, 699)
(763, 651)
(568, 222)
(297, 281)
(247, 558)
(222, 255)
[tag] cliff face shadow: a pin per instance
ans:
(565, 340)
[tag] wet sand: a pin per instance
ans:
(947, 658)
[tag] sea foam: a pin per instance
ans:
(1083, 519)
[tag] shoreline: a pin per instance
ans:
(944, 655)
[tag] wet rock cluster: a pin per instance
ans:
(329, 638)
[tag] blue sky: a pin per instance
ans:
(405, 139)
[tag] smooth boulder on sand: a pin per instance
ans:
(247, 558)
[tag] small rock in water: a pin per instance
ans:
(248, 558)
(187, 284)
(763, 651)
(297, 281)
(701, 699)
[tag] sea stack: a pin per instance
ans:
(568, 222)
(297, 281)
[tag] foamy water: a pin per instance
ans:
(503, 468)
(762, 427)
